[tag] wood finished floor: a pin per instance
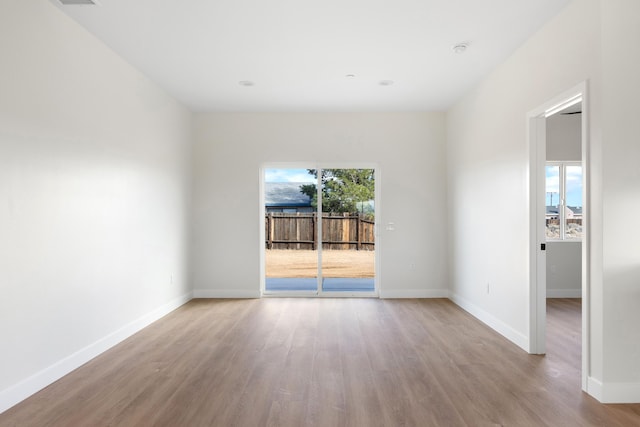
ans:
(327, 362)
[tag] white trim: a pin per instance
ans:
(415, 293)
(568, 94)
(319, 231)
(518, 338)
(586, 237)
(613, 392)
(226, 293)
(290, 294)
(262, 235)
(347, 294)
(537, 287)
(620, 393)
(565, 104)
(314, 294)
(22, 390)
(594, 388)
(536, 141)
(564, 293)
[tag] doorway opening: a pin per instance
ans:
(559, 216)
(319, 231)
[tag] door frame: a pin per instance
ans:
(377, 203)
(536, 139)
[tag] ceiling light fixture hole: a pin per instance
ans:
(460, 47)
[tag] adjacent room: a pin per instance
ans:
(330, 213)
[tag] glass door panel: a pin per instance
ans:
(291, 230)
(348, 230)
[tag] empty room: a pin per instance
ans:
(338, 213)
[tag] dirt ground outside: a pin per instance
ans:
(303, 263)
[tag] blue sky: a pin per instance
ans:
(574, 185)
(288, 175)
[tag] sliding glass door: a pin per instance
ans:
(319, 231)
(348, 222)
(291, 230)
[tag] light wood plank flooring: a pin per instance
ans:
(327, 362)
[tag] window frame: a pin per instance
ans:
(562, 194)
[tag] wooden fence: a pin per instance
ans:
(300, 231)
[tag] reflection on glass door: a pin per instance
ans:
(291, 229)
(348, 223)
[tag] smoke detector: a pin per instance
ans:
(79, 2)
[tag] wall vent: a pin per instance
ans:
(78, 2)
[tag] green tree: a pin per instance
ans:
(343, 190)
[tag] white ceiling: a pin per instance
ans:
(298, 52)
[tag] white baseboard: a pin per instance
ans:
(614, 392)
(594, 388)
(225, 293)
(564, 293)
(494, 323)
(18, 392)
(415, 293)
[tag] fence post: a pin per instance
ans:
(314, 227)
(270, 231)
(359, 232)
(298, 230)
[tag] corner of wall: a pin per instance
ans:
(493, 322)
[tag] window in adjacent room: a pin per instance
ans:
(564, 200)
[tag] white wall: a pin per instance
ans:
(487, 155)
(94, 189)
(488, 160)
(407, 147)
(621, 200)
(564, 269)
(564, 137)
